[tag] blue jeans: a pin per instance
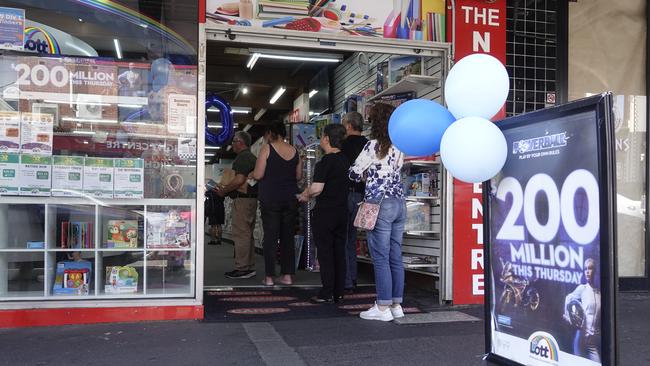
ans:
(385, 244)
(354, 199)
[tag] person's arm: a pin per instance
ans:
(363, 162)
(260, 164)
(299, 168)
(312, 191)
(233, 185)
(320, 177)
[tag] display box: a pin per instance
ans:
(67, 175)
(122, 234)
(36, 133)
(419, 185)
(418, 216)
(9, 174)
(98, 177)
(10, 132)
(35, 175)
(402, 66)
(169, 229)
(129, 178)
(72, 278)
(121, 280)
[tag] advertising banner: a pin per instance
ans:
(480, 28)
(549, 228)
(422, 20)
(12, 28)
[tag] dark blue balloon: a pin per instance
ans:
(159, 74)
(416, 127)
(228, 129)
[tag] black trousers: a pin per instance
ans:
(278, 222)
(330, 232)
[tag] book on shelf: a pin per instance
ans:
(72, 278)
(169, 229)
(76, 235)
(122, 234)
(271, 9)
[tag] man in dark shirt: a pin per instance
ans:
(244, 207)
(352, 147)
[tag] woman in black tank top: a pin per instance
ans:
(278, 185)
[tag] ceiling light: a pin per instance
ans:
(118, 50)
(219, 125)
(213, 147)
(277, 95)
(259, 114)
(81, 20)
(244, 90)
(70, 119)
(239, 110)
(299, 58)
(76, 102)
(312, 93)
(247, 127)
(297, 55)
(83, 132)
(252, 61)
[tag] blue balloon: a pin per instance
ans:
(159, 74)
(228, 130)
(416, 127)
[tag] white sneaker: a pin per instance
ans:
(375, 314)
(397, 311)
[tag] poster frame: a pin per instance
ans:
(601, 104)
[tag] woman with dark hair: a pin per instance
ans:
(330, 217)
(278, 170)
(380, 164)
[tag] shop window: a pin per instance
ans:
(601, 60)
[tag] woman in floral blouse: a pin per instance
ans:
(380, 164)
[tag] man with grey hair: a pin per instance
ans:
(352, 147)
(244, 207)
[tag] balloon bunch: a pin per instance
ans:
(472, 148)
(228, 130)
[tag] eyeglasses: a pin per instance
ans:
(236, 140)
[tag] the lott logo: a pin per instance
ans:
(543, 347)
(39, 40)
(539, 143)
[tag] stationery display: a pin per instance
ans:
(98, 177)
(122, 234)
(9, 131)
(121, 280)
(77, 235)
(67, 174)
(35, 175)
(9, 174)
(36, 133)
(168, 229)
(72, 278)
(129, 178)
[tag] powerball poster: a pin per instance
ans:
(544, 244)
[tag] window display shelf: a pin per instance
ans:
(421, 162)
(89, 200)
(409, 83)
(20, 250)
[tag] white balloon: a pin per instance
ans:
(477, 85)
(473, 149)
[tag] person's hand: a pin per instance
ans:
(220, 192)
(303, 197)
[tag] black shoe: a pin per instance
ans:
(320, 300)
(240, 274)
(338, 299)
(348, 290)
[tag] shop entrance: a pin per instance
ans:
(314, 85)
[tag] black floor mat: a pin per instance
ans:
(290, 303)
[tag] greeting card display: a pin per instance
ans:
(168, 229)
(122, 234)
(72, 278)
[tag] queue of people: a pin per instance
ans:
(352, 170)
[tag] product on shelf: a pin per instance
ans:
(98, 177)
(72, 278)
(76, 235)
(168, 229)
(35, 175)
(67, 174)
(418, 216)
(402, 66)
(121, 280)
(129, 178)
(9, 174)
(122, 234)
(419, 185)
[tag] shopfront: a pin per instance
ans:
(98, 140)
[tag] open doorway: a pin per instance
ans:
(309, 89)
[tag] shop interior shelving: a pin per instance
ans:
(156, 278)
(410, 83)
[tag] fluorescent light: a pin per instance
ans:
(247, 127)
(83, 132)
(252, 61)
(220, 125)
(70, 119)
(213, 147)
(118, 50)
(209, 154)
(259, 114)
(244, 90)
(76, 102)
(298, 58)
(277, 95)
(239, 110)
(312, 93)
(133, 106)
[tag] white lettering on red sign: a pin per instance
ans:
(478, 284)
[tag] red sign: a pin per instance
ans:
(480, 28)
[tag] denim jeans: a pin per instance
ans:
(385, 244)
(354, 198)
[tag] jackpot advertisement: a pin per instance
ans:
(545, 235)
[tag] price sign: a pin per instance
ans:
(549, 230)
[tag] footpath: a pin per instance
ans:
(329, 341)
